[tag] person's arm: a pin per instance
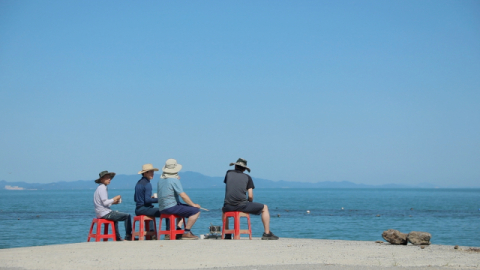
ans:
(250, 187)
(104, 197)
(187, 200)
(148, 195)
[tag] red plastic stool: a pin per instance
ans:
(236, 224)
(105, 236)
(144, 230)
(173, 226)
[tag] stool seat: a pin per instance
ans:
(98, 232)
(173, 226)
(144, 227)
(236, 224)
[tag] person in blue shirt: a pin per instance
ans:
(143, 193)
(170, 191)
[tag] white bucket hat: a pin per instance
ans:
(147, 167)
(171, 166)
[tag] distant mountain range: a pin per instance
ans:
(197, 180)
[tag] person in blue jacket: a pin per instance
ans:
(143, 193)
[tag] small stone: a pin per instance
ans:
(379, 242)
(422, 247)
(395, 237)
(455, 247)
(419, 238)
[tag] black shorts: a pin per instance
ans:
(250, 207)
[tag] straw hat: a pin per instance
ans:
(171, 166)
(242, 163)
(147, 167)
(102, 174)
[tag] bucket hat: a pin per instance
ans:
(171, 166)
(242, 163)
(102, 174)
(147, 167)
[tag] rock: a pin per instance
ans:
(455, 247)
(379, 242)
(419, 238)
(395, 237)
(422, 247)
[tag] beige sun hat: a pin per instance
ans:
(147, 167)
(171, 166)
(242, 163)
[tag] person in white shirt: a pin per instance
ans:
(102, 205)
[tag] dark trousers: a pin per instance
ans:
(150, 211)
(119, 216)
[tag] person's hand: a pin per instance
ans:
(196, 205)
(116, 199)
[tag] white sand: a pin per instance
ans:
(256, 254)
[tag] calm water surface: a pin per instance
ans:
(452, 216)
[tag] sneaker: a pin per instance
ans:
(228, 236)
(189, 236)
(269, 236)
(128, 237)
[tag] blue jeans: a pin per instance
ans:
(119, 216)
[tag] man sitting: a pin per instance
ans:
(169, 191)
(237, 184)
(143, 193)
(102, 205)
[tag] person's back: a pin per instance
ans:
(236, 187)
(168, 192)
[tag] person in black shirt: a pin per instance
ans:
(237, 184)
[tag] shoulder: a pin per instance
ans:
(231, 171)
(174, 181)
(142, 182)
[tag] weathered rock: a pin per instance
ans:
(395, 237)
(419, 238)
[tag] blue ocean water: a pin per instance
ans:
(452, 216)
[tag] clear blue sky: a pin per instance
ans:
(370, 92)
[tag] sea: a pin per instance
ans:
(451, 216)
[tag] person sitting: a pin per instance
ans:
(143, 193)
(170, 191)
(237, 184)
(102, 205)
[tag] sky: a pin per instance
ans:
(371, 92)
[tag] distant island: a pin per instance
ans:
(198, 180)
